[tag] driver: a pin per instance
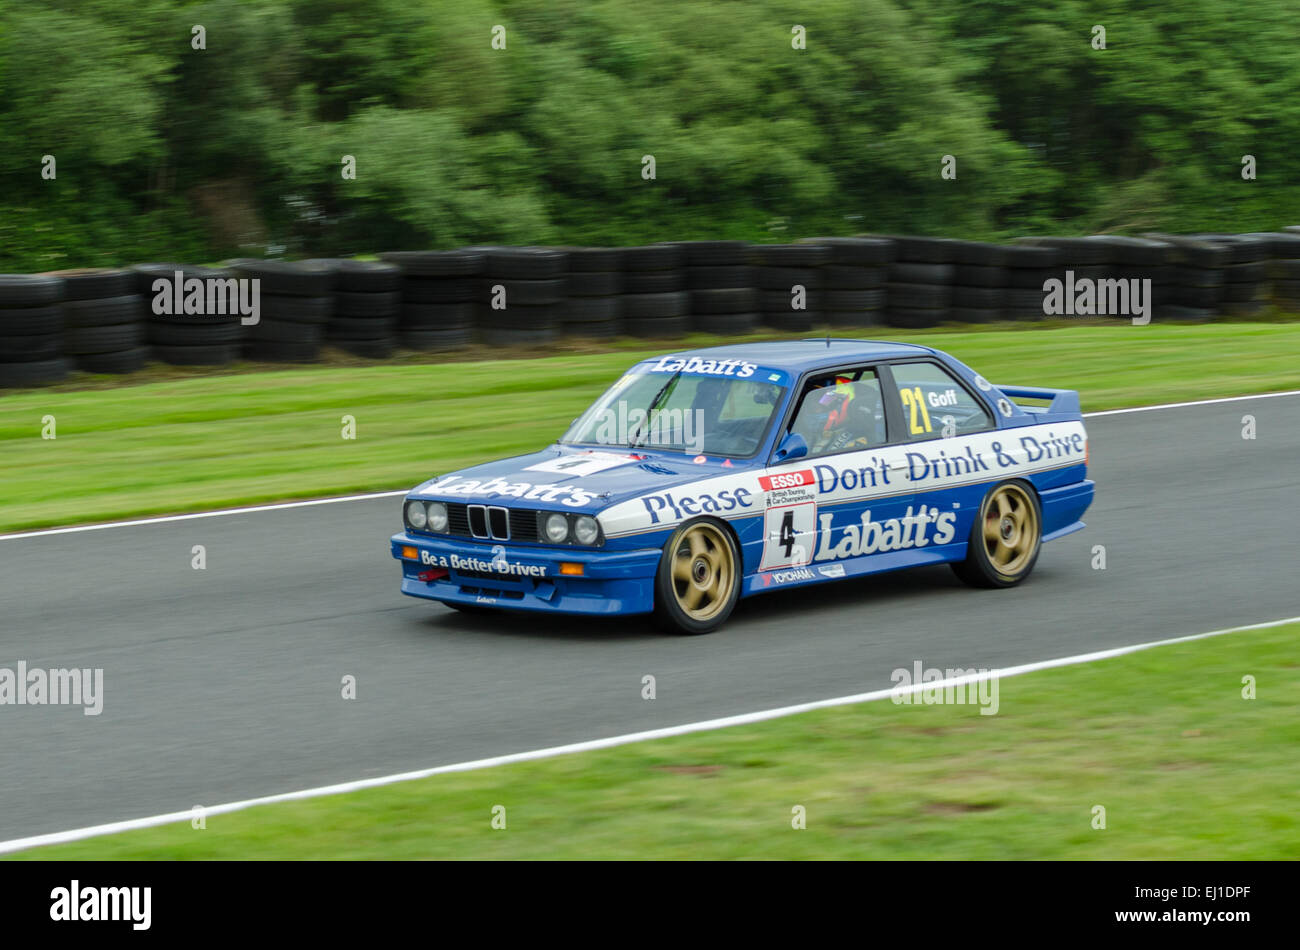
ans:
(842, 417)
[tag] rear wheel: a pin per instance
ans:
(698, 582)
(1005, 539)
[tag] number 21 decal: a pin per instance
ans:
(920, 418)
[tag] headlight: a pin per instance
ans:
(556, 528)
(585, 529)
(437, 517)
(415, 516)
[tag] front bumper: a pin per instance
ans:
(519, 577)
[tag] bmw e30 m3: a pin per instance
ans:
(702, 477)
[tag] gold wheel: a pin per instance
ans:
(1010, 529)
(702, 572)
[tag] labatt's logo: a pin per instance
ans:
(893, 534)
(493, 487)
(675, 364)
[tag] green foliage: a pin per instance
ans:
(165, 151)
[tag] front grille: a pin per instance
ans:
(490, 522)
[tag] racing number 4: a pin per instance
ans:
(787, 533)
(920, 421)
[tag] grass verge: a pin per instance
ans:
(195, 442)
(1162, 739)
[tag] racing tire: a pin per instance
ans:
(651, 327)
(795, 321)
(594, 283)
(654, 281)
(856, 250)
(124, 361)
(726, 323)
(698, 581)
(461, 263)
(92, 283)
(308, 279)
(197, 355)
(358, 277)
(720, 276)
(791, 255)
(377, 303)
(784, 278)
(194, 334)
(441, 290)
(282, 351)
(33, 373)
(847, 277)
(30, 290)
(30, 347)
(1005, 539)
(23, 321)
(653, 257)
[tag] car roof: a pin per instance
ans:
(799, 356)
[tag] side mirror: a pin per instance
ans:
(793, 446)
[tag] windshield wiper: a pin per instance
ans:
(634, 442)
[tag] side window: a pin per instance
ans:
(841, 412)
(934, 404)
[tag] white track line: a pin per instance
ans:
(94, 831)
(76, 529)
(1197, 402)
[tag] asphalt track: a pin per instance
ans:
(224, 684)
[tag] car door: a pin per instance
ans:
(843, 500)
(945, 426)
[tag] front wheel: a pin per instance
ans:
(698, 582)
(1005, 539)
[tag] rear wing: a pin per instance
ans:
(1060, 402)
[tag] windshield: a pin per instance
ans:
(696, 413)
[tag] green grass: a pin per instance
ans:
(182, 442)
(1163, 739)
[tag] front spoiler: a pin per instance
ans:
(517, 577)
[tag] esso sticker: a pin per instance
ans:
(786, 480)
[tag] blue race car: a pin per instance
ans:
(702, 477)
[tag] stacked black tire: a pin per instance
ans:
(852, 283)
(522, 295)
(103, 328)
(723, 286)
(1028, 268)
(1139, 259)
(367, 303)
(1196, 276)
(920, 282)
(439, 292)
(297, 300)
(980, 281)
(1085, 258)
(1284, 271)
(31, 330)
(594, 287)
(1245, 278)
(188, 339)
(655, 301)
(790, 285)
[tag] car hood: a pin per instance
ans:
(568, 478)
